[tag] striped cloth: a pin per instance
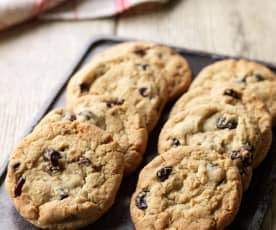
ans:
(15, 11)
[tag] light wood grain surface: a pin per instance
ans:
(33, 56)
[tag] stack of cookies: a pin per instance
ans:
(66, 173)
(216, 135)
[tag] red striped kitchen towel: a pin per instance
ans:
(15, 11)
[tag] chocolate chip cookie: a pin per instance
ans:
(222, 93)
(267, 93)
(174, 67)
(65, 175)
(127, 79)
(232, 94)
(117, 117)
(223, 128)
(248, 74)
(187, 188)
(121, 120)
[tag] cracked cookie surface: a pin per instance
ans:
(223, 128)
(235, 95)
(246, 74)
(120, 119)
(65, 175)
(128, 79)
(174, 67)
(186, 188)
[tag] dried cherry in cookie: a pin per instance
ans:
(69, 116)
(224, 123)
(144, 67)
(52, 156)
(232, 93)
(84, 87)
(140, 51)
(175, 142)
(143, 91)
(244, 154)
(18, 187)
(62, 194)
(164, 173)
(15, 166)
(140, 200)
(259, 77)
(113, 102)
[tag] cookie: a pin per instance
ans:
(132, 80)
(223, 128)
(222, 93)
(267, 93)
(232, 94)
(174, 67)
(187, 188)
(117, 117)
(247, 74)
(121, 120)
(64, 175)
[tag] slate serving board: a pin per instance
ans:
(256, 200)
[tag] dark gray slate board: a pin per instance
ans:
(255, 201)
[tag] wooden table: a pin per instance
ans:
(34, 55)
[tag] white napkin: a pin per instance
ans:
(15, 11)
